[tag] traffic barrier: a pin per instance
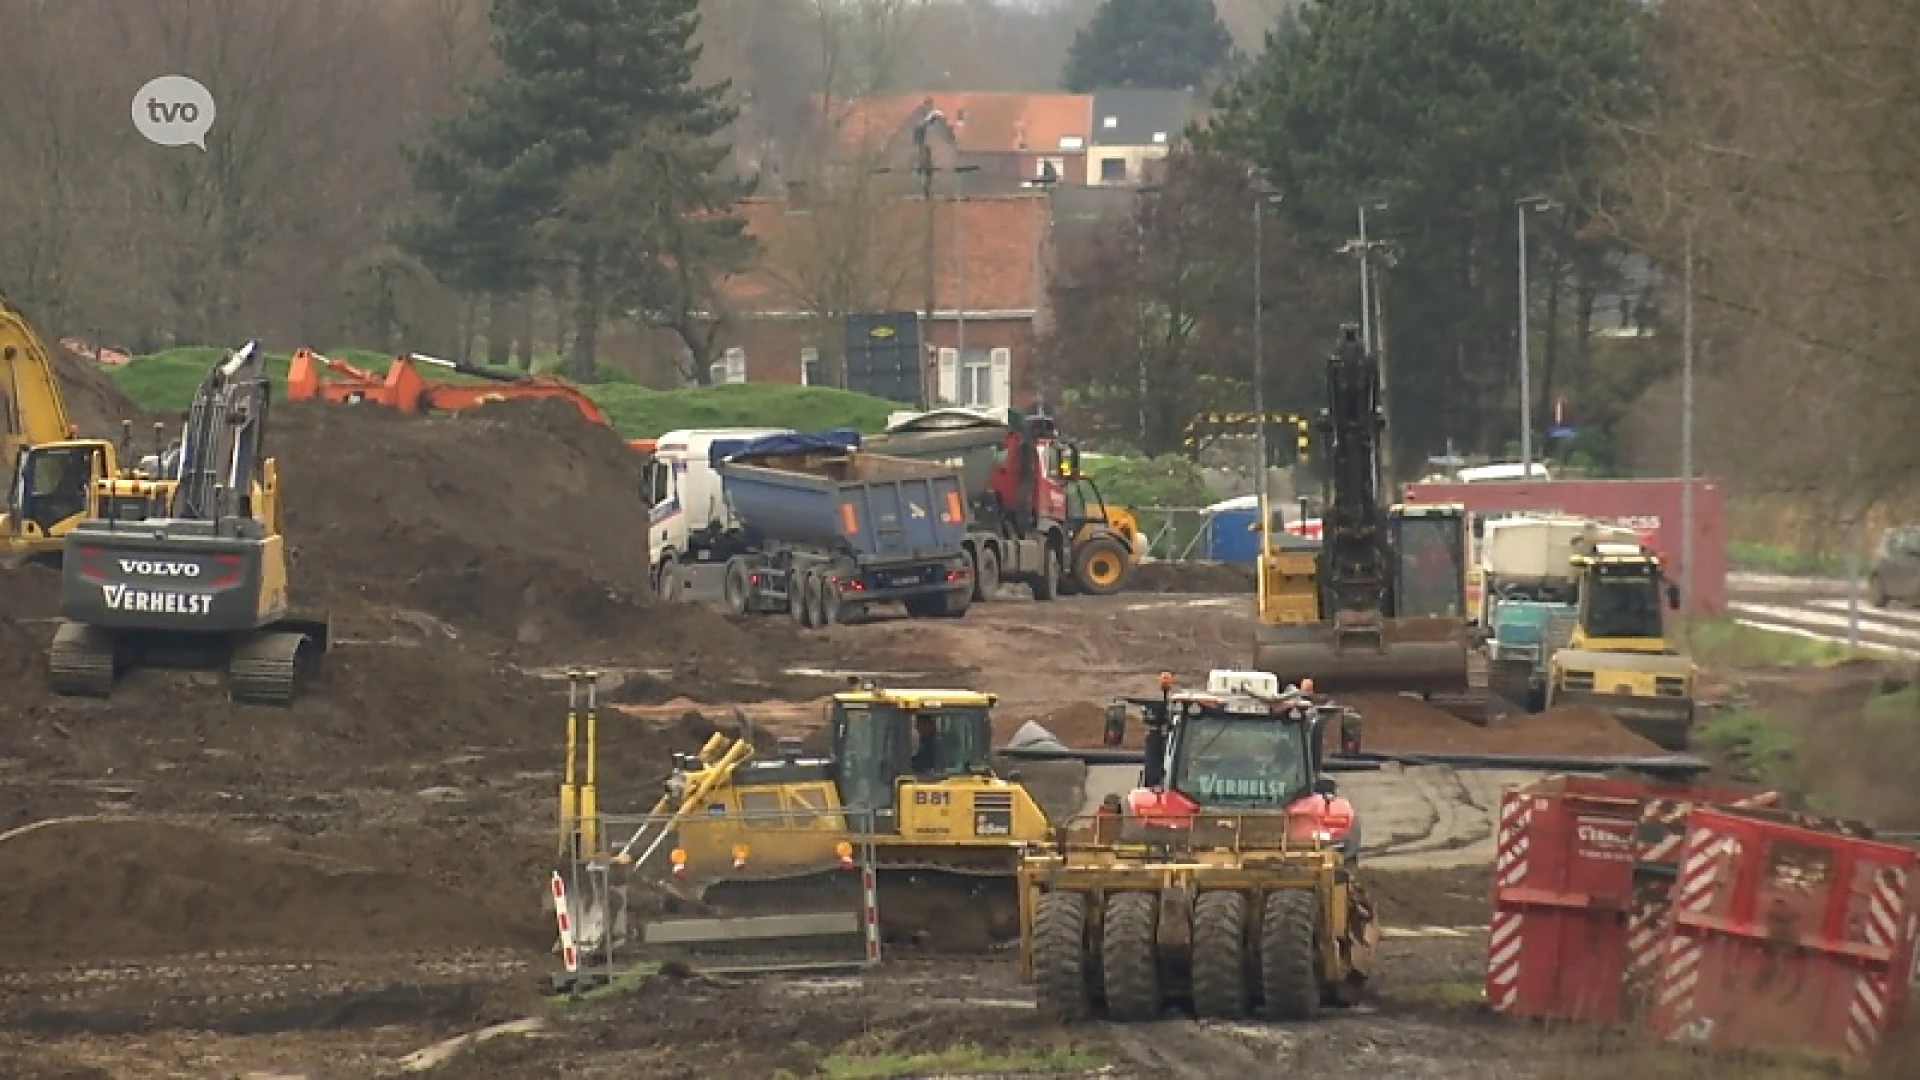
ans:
(1786, 933)
(1580, 892)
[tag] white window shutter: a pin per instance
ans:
(736, 365)
(1002, 378)
(949, 376)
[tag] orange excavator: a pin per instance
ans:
(313, 377)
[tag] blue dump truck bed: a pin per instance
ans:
(821, 491)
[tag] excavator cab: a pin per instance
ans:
(52, 482)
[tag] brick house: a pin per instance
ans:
(1132, 131)
(992, 257)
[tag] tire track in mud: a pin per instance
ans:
(1186, 1050)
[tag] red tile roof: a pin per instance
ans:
(874, 258)
(981, 121)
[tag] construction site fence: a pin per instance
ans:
(1703, 915)
(789, 889)
(1176, 533)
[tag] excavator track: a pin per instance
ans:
(82, 661)
(266, 666)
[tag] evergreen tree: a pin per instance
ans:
(1148, 45)
(1450, 113)
(520, 182)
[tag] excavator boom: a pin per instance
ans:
(31, 406)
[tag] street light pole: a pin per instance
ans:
(1366, 277)
(1262, 197)
(1686, 426)
(1534, 202)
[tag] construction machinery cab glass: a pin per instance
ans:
(1432, 561)
(881, 737)
(1227, 760)
(1624, 602)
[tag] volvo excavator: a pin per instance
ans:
(55, 475)
(196, 575)
(1381, 605)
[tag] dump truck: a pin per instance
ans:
(1220, 882)
(812, 526)
(946, 832)
(1380, 602)
(1619, 658)
(198, 577)
(1530, 596)
(1033, 517)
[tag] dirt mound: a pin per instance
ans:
(518, 524)
(95, 403)
(107, 889)
(1192, 577)
(1394, 722)
(1081, 724)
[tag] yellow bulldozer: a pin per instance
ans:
(1619, 658)
(1380, 603)
(737, 834)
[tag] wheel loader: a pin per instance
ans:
(1223, 882)
(1381, 603)
(737, 834)
(1619, 658)
(194, 573)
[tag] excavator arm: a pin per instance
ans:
(221, 458)
(1355, 560)
(31, 406)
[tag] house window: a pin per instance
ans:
(1113, 170)
(976, 380)
(1108, 123)
(730, 368)
(810, 371)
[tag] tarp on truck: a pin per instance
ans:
(800, 442)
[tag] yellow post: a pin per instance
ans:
(589, 794)
(569, 791)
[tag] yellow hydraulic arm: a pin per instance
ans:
(31, 408)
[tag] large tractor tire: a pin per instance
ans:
(1100, 567)
(1061, 985)
(1220, 988)
(1129, 956)
(1290, 955)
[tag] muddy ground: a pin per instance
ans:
(321, 890)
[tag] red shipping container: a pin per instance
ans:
(1571, 911)
(1782, 936)
(1653, 506)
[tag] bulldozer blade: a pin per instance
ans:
(937, 910)
(1410, 656)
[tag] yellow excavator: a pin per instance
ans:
(1380, 603)
(194, 573)
(1619, 658)
(739, 835)
(56, 477)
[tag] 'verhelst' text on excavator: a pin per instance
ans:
(196, 575)
(55, 475)
(1381, 605)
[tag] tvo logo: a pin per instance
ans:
(148, 568)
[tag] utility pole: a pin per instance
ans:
(1262, 198)
(1686, 427)
(1531, 202)
(1386, 400)
(1366, 287)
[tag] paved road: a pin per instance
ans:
(1817, 608)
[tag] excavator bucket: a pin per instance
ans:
(1415, 655)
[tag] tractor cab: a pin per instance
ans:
(1242, 745)
(889, 742)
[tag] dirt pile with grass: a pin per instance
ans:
(1394, 722)
(1192, 577)
(107, 889)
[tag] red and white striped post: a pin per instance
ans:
(569, 956)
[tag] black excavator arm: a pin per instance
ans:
(1355, 561)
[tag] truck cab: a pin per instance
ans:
(682, 492)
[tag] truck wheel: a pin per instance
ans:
(1290, 955)
(1100, 566)
(1220, 990)
(986, 573)
(797, 599)
(1061, 989)
(1129, 960)
(826, 601)
(1047, 585)
(668, 583)
(739, 587)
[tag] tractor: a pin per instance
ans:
(1225, 881)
